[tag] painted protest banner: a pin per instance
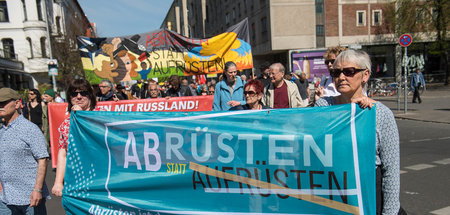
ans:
(58, 111)
(162, 53)
(237, 162)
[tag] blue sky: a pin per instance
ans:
(125, 17)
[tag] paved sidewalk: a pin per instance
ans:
(435, 106)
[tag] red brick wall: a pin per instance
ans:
(331, 18)
(349, 27)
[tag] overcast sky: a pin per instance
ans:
(125, 17)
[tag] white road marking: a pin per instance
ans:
(443, 161)
(420, 166)
(422, 140)
(411, 193)
(442, 211)
(403, 171)
(443, 138)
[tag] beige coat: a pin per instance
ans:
(294, 96)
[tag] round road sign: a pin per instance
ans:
(405, 40)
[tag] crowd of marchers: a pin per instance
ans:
(24, 134)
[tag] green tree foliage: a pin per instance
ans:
(425, 20)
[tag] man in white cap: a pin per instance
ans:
(24, 160)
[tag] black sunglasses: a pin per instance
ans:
(349, 71)
(3, 104)
(249, 93)
(327, 62)
(82, 93)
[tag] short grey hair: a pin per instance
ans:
(358, 57)
(108, 82)
(279, 66)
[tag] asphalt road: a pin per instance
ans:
(425, 169)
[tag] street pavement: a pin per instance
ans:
(432, 113)
(435, 106)
(424, 150)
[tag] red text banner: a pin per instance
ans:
(58, 111)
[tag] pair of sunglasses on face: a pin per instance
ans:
(250, 93)
(82, 93)
(348, 71)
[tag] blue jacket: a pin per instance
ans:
(222, 95)
(416, 79)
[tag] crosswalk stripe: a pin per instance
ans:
(420, 166)
(442, 211)
(403, 171)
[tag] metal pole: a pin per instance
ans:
(49, 43)
(406, 81)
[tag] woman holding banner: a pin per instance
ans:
(350, 74)
(229, 91)
(80, 96)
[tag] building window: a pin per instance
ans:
(253, 33)
(43, 47)
(376, 17)
(434, 14)
(8, 48)
(245, 6)
(233, 14)
(39, 10)
(58, 24)
(227, 18)
(361, 18)
(25, 16)
(264, 25)
(3, 12)
(239, 9)
(420, 17)
(31, 47)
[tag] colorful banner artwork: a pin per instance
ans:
(236, 162)
(57, 111)
(162, 53)
(311, 63)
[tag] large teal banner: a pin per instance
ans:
(288, 161)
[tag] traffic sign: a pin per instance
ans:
(405, 40)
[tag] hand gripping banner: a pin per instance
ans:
(162, 53)
(286, 161)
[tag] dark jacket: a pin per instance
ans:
(139, 92)
(183, 90)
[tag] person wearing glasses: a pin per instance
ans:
(253, 92)
(34, 107)
(350, 74)
(229, 91)
(281, 93)
(326, 87)
(107, 92)
(23, 160)
(80, 97)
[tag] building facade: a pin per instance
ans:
(30, 31)
(279, 26)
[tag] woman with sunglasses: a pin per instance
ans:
(80, 97)
(350, 74)
(34, 108)
(253, 92)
